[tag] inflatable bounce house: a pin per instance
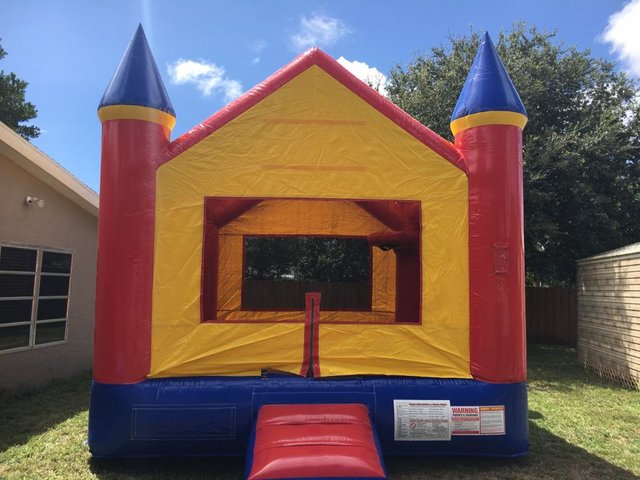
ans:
(212, 339)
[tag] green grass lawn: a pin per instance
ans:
(581, 427)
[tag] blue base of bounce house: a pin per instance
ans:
(214, 416)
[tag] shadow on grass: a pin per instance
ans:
(26, 414)
(167, 468)
(550, 457)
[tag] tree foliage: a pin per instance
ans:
(14, 109)
(323, 259)
(581, 145)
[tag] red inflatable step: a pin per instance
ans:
(314, 441)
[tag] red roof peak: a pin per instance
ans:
(315, 56)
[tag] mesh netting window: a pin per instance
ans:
(279, 270)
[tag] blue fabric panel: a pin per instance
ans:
(112, 407)
(460, 393)
(137, 80)
(488, 86)
(209, 416)
(179, 422)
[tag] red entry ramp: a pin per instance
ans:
(314, 441)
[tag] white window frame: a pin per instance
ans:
(35, 297)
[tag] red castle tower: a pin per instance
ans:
(487, 123)
(137, 118)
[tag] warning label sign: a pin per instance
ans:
(422, 420)
(465, 420)
(478, 420)
(492, 420)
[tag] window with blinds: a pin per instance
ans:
(34, 297)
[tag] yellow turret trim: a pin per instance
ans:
(136, 112)
(488, 118)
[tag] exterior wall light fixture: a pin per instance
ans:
(34, 201)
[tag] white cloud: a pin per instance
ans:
(369, 75)
(208, 77)
(318, 30)
(257, 48)
(623, 33)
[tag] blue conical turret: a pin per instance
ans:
(137, 81)
(488, 88)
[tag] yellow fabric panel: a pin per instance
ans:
(488, 118)
(393, 348)
(238, 349)
(230, 250)
(383, 294)
(137, 112)
(332, 145)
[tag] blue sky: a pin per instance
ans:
(211, 51)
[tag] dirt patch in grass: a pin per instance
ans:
(581, 427)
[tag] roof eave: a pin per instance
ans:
(47, 170)
(629, 251)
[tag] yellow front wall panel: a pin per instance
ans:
(312, 138)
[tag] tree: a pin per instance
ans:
(581, 145)
(322, 259)
(14, 109)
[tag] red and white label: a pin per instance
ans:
(465, 420)
(475, 420)
(492, 420)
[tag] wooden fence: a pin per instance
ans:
(289, 295)
(552, 315)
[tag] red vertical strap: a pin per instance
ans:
(311, 354)
(496, 252)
